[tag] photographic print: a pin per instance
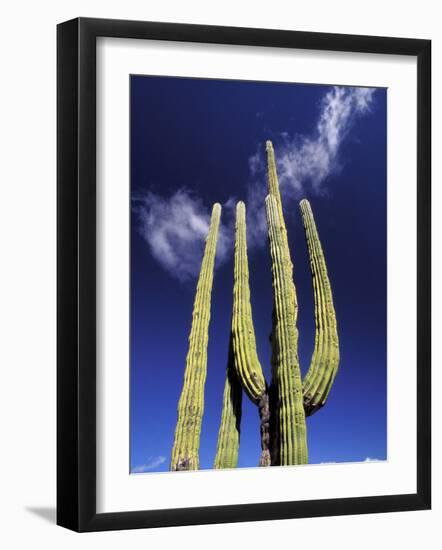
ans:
(223, 198)
(258, 278)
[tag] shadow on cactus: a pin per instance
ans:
(286, 400)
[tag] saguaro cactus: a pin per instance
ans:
(185, 452)
(285, 362)
(272, 180)
(284, 404)
(273, 186)
(229, 430)
(325, 359)
(246, 360)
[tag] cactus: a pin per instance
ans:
(272, 178)
(285, 362)
(273, 185)
(185, 452)
(285, 403)
(289, 399)
(247, 365)
(229, 430)
(325, 359)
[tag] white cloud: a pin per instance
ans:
(305, 162)
(256, 162)
(175, 229)
(255, 211)
(308, 160)
(368, 459)
(152, 463)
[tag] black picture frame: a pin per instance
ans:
(76, 273)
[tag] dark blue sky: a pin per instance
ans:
(199, 135)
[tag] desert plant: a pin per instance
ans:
(229, 431)
(185, 452)
(245, 357)
(285, 403)
(325, 360)
(288, 399)
(286, 372)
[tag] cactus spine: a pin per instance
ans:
(246, 360)
(325, 359)
(229, 430)
(185, 452)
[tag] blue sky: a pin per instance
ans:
(195, 142)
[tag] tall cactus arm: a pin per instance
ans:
(325, 359)
(185, 452)
(244, 342)
(247, 364)
(285, 362)
(273, 186)
(272, 176)
(229, 430)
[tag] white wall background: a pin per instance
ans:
(27, 271)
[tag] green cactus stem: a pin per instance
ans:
(229, 430)
(246, 362)
(285, 362)
(325, 359)
(185, 452)
(272, 176)
(273, 186)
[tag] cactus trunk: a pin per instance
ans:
(325, 359)
(274, 424)
(289, 422)
(247, 364)
(185, 452)
(285, 362)
(229, 430)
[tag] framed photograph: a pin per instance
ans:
(243, 274)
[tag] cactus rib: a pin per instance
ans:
(185, 452)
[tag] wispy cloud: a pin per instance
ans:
(175, 229)
(152, 463)
(369, 459)
(305, 162)
(255, 208)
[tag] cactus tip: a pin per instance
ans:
(269, 145)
